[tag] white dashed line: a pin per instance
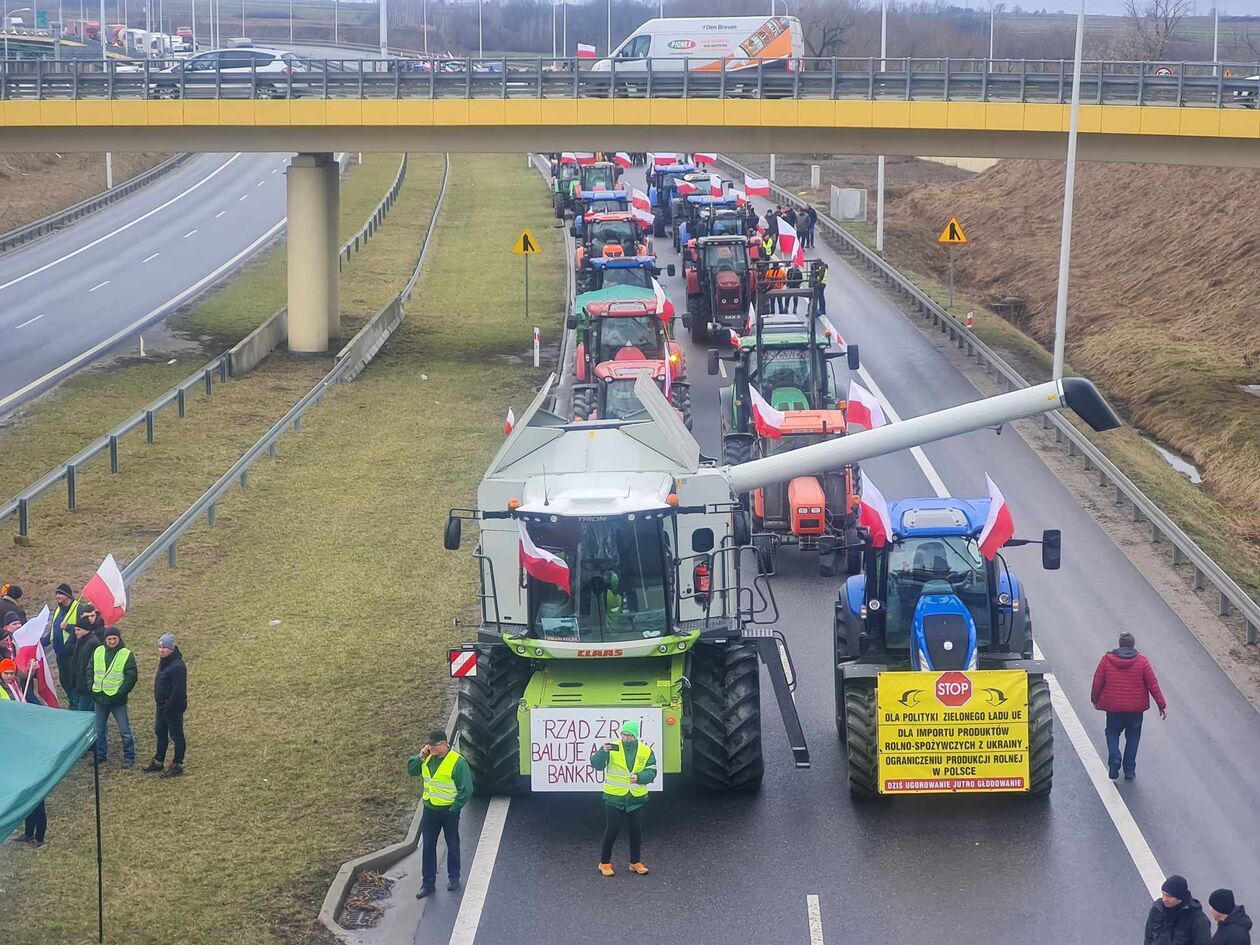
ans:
(815, 920)
(33, 320)
(243, 197)
(189, 233)
(260, 183)
(95, 287)
(148, 258)
(219, 214)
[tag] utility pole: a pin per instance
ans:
(879, 173)
(609, 28)
(553, 29)
(384, 29)
(424, 12)
(992, 27)
(1216, 34)
(481, 44)
(1069, 192)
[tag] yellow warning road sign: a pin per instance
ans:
(946, 732)
(953, 234)
(526, 244)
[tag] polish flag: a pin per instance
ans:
(585, 51)
(586, 157)
(790, 244)
(646, 217)
(999, 527)
(715, 185)
(751, 321)
(664, 307)
(568, 157)
(622, 159)
(768, 420)
(741, 198)
(639, 200)
(756, 186)
(662, 158)
(873, 512)
(864, 409)
(510, 422)
(686, 188)
(107, 591)
(541, 564)
(30, 650)
(705, 157)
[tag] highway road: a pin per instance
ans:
(72, 297)
(1078, 867)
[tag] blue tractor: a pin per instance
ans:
(662, 184)
(928, 600)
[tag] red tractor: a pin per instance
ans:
(721, 284)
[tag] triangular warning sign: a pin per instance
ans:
(526, 244)
(953, 234)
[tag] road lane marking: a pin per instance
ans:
(126, 226)
(916, 451)
(243, 197)
(474, 899)
(219, 214)
(33, 320)
(274, 169)
(100, 285)
(149, 258)
(189, 233)
(261, 182)
(815, 920)
(721, 367)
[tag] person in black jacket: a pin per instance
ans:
(1176, 917)
(170, 693)
(85, 644)
(10, 594)
(1233, 925)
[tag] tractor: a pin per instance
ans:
(563, 177)
(588, 204)
(616, 584)
(788, 359)
(929, 601)
(661, 182)
(607, 236)
(633, 271)
(706, 215)
(721, 283)
(600, 175)
(616, 341)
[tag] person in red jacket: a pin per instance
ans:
(1124, 683)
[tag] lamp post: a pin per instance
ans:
(481, 45)
(1069, 192)
(879, 173)
(8, 13)
(610, 27)
(384, 29)
(424, 12)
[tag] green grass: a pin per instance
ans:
(314, 619)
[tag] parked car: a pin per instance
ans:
(233, 71)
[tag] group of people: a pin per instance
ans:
(804, 222)
(96, 672)
(1177, 918)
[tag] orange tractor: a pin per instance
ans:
(607, 236)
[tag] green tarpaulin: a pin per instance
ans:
(38, 746)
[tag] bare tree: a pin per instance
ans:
(826, 24)
(1153, 22)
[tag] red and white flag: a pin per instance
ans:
(585, 51)
(999, 527)
(664, 158)
(510, 422)
(669, 376)
(646, 217)
(664, 307)
(790, 243)
(686, 188)
(30, 650)
(622, 159)
(751, 322)
(873, 512)
(756, 186)
(741, 198)
(542, 564)
(107, 591)
(568, 157)
(863, 409)
(639, 200)
(715, 185)
(585, 157)
(768, 420)
(705, 157)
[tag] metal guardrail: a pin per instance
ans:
(957, 80)
(55, 221)
(350, 361)
(20, 504)
(562, 399)
(1231, 597)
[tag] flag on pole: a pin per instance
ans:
(790, 243)
(741, 198)
(751, 322)
(622, 159)
(863, 408)
(541, 564)
(664, 307)
(705, 157)
(568, 157)
(686, 188)
(756, 186)
(715, 185)
(107, 591)
(510, 422)
(646, 217)
(664, 158)
(873, 512)
(768, 420)
(639, 200)
(30, 651)
(999, 527)
(585, 51)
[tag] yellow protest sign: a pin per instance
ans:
(947, 732)
(526, 244)
(953, 234)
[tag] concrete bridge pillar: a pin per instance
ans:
(313, 208)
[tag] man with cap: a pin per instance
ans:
(60, 633)
(1233, 925)
(1124, 684)
(91, 618)
(448, 785)
(1176, 918)
(113, 677)
(10, 594)
(170, 694)
(10, 624)
(85, 644)
(629, 766)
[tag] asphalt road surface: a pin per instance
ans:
(69, 298)
(1078, 867)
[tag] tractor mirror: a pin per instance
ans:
(671, 270)
(1051, 549)
(573, 230)
(855, 359)
(713, 361)
(451, 538)
(571, 322)
(702, 540)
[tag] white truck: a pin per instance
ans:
(709, 44)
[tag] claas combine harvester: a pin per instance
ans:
(618, 582)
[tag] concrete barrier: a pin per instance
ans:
(250, 351)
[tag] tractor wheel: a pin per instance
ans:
(583, 403)
(726, 717)
(860, 738)
(681, 398)
(658, 226)
(1040, 737)
(736, 450)
(489, 736)
(767, 551)
(699, 327)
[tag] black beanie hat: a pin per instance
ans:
(1222, 900)
(1177, 887)
(114, 632)
(64, 588)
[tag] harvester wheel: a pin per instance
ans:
(489, 736)
(726, 717)
(860, 739)
(1040, 737)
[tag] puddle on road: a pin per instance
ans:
(1177, 462)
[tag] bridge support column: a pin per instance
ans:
(313, 196)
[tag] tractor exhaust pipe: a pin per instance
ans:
(1077, 393)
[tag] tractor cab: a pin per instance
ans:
(662, 180)
(562, 179)
(721, 284)
(633, 271)
(598, 201)
(694, 214)
(601, 175)
(607, 236)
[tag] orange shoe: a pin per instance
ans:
(606, 868)
(639, 868)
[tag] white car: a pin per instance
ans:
(1248, 97)
(235, 70)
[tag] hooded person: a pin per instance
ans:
(1176, 917)
(1233, 925)
(10, 689)
(10, 623)
(10, 594)
(629, 766)
(1124, 684)
(85, 643)
(170, 697)
(113, 677)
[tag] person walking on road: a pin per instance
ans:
(1124, 684)
(811, 223)
(60, 633)
(170, 694)
(1233, 925)
(113, 678)
(1176, 917)
(85, 643)
(448, 785)
(629, 766)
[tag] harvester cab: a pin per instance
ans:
(616, 585)
(721, 285)
(694, 217)
(607, 236)
(929, 600)
(632, 271)
(662, 180)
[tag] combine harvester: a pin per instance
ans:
(618, 583)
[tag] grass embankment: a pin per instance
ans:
(37, 185)
(314, 618)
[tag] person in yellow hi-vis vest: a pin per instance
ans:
(629, 766)
(448, 785)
